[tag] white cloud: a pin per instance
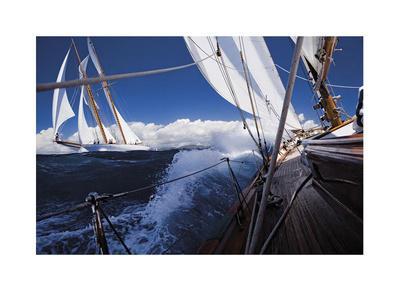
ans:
(45, 144)
(307, 124)
(226, 136)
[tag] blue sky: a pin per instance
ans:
(180, 94)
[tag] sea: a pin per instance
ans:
(175, 218)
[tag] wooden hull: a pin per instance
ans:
(327, 215)
(337, 167)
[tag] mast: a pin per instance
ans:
(106, 89)
(257, 233)
(327, 102)
(91, 98)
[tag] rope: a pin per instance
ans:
(213, 57)
(223, 65)
(249, 85)
(65, 211)
(109, 196)
(237, 187)
(330, 85)
(114, 230)
(229, 84)
(317, 112)
(121, 194)
(87, 81)
(284, 214)
(279, 118)
(343, 86)
(256, 203)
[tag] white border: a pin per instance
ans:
(21, 21)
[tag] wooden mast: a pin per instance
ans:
(331, 112)
(108, 93)
(91, 98)
(326, 101)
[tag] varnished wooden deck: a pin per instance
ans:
(316, 224)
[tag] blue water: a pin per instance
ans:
(175, 218)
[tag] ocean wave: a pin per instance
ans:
(178, 218)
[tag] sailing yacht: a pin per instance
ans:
(97, 138)
(331, 156)
(325, 164)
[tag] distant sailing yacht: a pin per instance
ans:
(91, 139)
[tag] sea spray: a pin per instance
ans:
(173, 218)
(178, 218)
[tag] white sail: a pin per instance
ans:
(109, 137)
(264, 79)
(84, 132)
(211, 68)
(62, 110)
(310, 50)
(130, 136)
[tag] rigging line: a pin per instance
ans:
(77, 207)
(251, 97)
(252, 88)
(229, 85)
(284, 214)
(279, 118)
(303, 67)
(255, 101)
(297, 76)
(114, 230)
(105, 116)
(256, 163)
(330, 85)
(219, 65)
(121, 194)
(121, 101)
(87, 81)
(340, 101)
(343, 111)
(232, 91)
(223, 65)
(334, 94)
(117, 195)
(92, 128)
(344, 87)
(215, 58)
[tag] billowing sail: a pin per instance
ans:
(264, 79)
(84, 132)
(62, 110)
(129, 135)
(310, 51)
